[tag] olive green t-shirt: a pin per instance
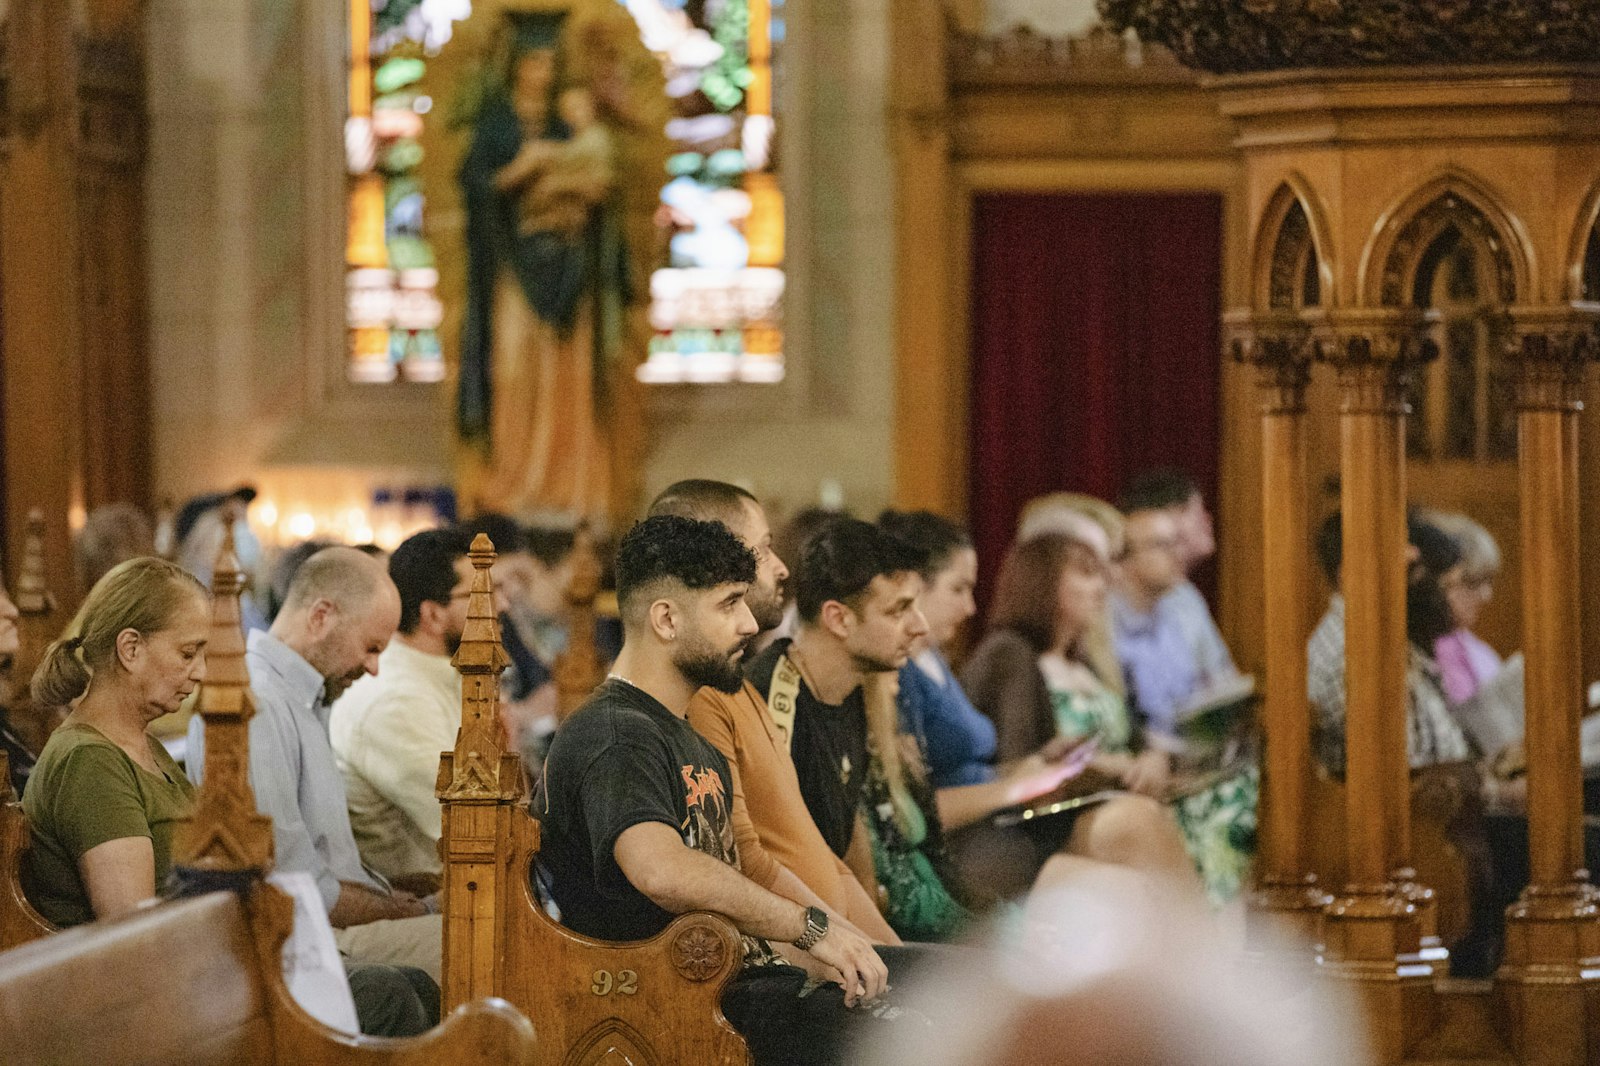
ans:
(83, 792)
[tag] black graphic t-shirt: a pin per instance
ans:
(829, 747)
(620, 760)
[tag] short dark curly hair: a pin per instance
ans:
(672, 549)
(840, 561)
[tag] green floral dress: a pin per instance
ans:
(1218, 821)
(908, 854)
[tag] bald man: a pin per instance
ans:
(337, 618)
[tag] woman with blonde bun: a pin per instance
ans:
(105, 796)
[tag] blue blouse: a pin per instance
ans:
(957, 739)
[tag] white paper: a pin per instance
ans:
(312, 967)
(1493, 716)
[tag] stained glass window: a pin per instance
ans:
(716, 304)
(393, 310)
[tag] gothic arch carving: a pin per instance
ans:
(1291, 263)
(1582, 281)
(1405, 233)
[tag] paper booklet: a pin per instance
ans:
(312, 967)
(1493, 716)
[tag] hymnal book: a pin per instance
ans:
(1059, 807)
(1216, 729)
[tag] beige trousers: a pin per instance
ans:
(415, 942)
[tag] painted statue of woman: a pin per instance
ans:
(547, 282)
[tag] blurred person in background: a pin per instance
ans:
(112, 534)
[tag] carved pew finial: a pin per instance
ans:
(37, 626)
(36, 604)
(577, 669)
(33, 596)
(480, 786)
(477, 770)
(226, 834)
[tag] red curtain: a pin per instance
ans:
(1095, 348)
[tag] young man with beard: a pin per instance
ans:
(780, 847)
(339, 614)
(635, 807)
(388, 730)
(856, 590)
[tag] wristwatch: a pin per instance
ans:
(816, 928)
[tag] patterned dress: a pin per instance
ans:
(1218, 821)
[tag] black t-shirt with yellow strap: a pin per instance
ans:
(828, 743)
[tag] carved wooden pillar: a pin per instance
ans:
(36, 604)
(1374, 928)
(38, 624)
(1287, 892)
(480, 786)
(1553, 931)
(226, 835)
(577, 670)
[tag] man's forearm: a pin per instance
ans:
(358, 905)
(680, 879)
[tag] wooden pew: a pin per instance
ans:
(199, 980)
(19, 922)
(654, 1001)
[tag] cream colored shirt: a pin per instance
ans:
(387, 733)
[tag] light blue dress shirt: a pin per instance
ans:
(292, 769)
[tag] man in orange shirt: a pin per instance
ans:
(780, 847)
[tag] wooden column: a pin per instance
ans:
(577, 670)
(1374, 928)
(480, 786)
(1553, 931)
(40, 440)
(1287, 890)
(226, 835)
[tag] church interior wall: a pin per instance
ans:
(244, 187)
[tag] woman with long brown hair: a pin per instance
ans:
(1046, 670)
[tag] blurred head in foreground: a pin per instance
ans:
(1106, 969)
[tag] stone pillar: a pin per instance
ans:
(1553, 931)
(1287, 892)
(480, 786)
(1374, 929)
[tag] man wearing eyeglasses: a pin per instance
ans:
(389, 728)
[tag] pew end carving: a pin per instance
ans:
(654, 1002)
(226, 835)
(19, 922)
